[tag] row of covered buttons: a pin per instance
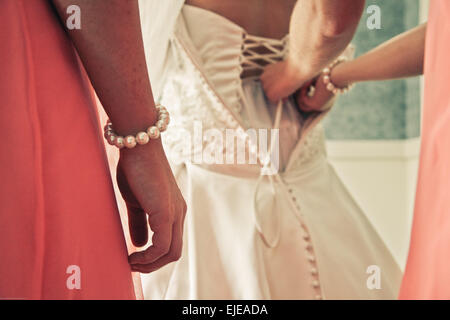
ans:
(309, 249)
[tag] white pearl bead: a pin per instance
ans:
(311, 91)
(330, 87)
(107, 127)
(130, 142)
(107, 134)
(111, 138)
(142, 138)
(153, 132)
(164, 117)
(161, 125)
(120, 143)
(326, 79)
(315, 284)
(326, 70)
(311, 259)
(314, 271)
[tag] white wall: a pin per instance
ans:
(381, 175)
(423, 10)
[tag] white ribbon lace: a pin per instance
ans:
(258, 52)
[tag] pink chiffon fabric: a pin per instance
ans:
(57, 204)
(427, 273)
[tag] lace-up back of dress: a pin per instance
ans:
(258, 52)
(213, 80)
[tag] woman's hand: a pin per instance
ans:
(149, 188)
(331, 26)
(321, 100)
(282, 79)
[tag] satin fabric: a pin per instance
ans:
(427, 274)
(157, 23)
(57, 205)
(245, 233)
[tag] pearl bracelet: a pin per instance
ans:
(327, 78)
(142, 137)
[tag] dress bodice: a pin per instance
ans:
(213, 85)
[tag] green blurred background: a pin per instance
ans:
(380, 110)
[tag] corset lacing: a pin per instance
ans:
(258, 52)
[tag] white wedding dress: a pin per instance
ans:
(296, 234)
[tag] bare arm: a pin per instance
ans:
(319, 31)
(111, 47)
(400, 57)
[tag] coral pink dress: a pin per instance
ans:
(427, 273)
(57, 205)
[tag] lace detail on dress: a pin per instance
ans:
(194, 108)
(312, 148)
